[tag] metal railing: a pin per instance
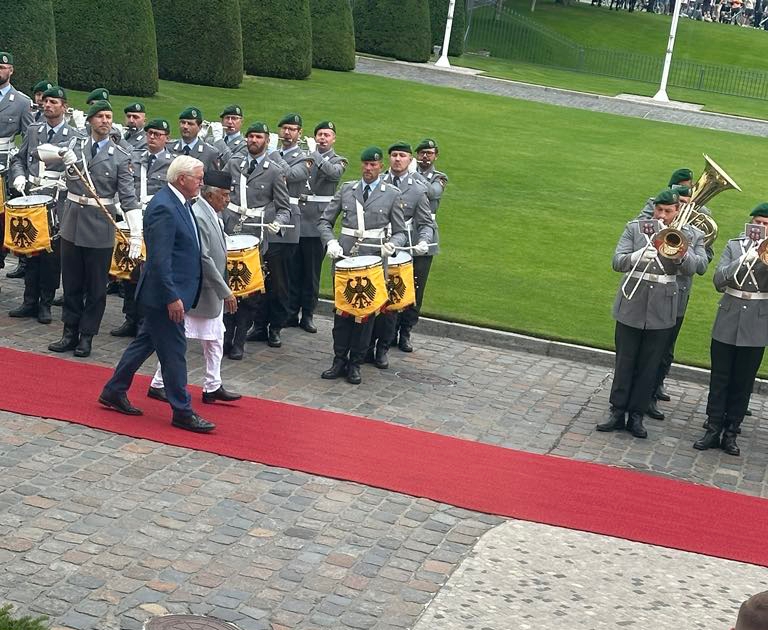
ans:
(515, 36)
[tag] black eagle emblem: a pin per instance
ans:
(122, 261)
(395, 288)
(238, 275)
(23, 232)
(359, 292)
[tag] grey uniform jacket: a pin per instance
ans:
(15, 116)
(213, 252)
(236, 147)
(740, 322)
(155, 175)
(436, 182)
(137, 138)
(111, 173)
(211, 157)
(296, 167)
(324, 177)
(654, 305)
(383, 210)
(418, 218)
(265, 188)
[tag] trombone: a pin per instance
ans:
(647, 228)
(759, 242)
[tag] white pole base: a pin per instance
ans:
(661, 95)
(443, 62)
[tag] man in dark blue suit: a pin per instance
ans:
(169, 286)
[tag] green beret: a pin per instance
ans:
(326, 124)
(191, 113)
(135, 107)
(290, 119)
(42, 86)
(680, 175)
(666, 197)
(257, 127)
(55, 91)
(96, 107)
(760, 211)
(683, 191)
(6, 57)
(99, 94)
(371, 154)
(427, 143)
(400, 145)
(161, 124)
(231, 110)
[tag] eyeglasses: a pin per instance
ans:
(156, 134)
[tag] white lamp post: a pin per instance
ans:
(661, 95)
(443, 60)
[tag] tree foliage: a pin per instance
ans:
(333, 35)
(394, 28)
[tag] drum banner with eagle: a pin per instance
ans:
(359, 293)
(27, 231)
(400, 286)
(244, 274)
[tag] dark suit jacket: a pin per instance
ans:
(173, 269)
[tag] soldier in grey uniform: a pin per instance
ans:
(421, 230)
(379, 206)
(15, 116)
(150, 166)
(98, 94)
(739, 337)
(30, 174)
(426, 154)
(190, 121)
(38, 89)
(135, 121)
(259, 206)
(233, 142)
(645, 322)
(324, 176)
(87, 236)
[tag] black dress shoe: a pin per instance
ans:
(353, 374)
(83, 348)
(654, 412)
(256, 334)
(336, 370)
(614, 423)
(220, 394)
(307, 325)
(68, 341)
(405, 341)
(273, 340)
(44, 314)
(25, 310)
(158, 393)
(59, 301)
(126, 329)
(635, 425)
(119, 402)
(236, 354)
(380, 360)
(661, 394)
(193, 423)
(729, 445)
(711, 439)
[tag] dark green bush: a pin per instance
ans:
(22, 623)
(333, 35)
(394, 28)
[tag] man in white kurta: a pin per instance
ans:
(206, 321)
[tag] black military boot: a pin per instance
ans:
(404, 343)
(380, 359)
(353, 374)
(128, 328)
(615, 422)
(337, 369)
(27, 309)
(661, 394)
(257, 334)
(83, 348)
(654, 412)
(68, 341)
(635, 425)
(238, 344)
(58, 301)
(44, 307)
(711, 439)
(21, 268)
(273, 337)
(307, 324)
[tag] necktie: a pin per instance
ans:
(366, 192)
(251, 166)
(226, 139)
(151, 161)
(94, 149)
(281, 153)
(186, 150)
(128, 134)
(51, 132)
(396, 180)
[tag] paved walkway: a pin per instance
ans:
(102, 531)
(460, 79)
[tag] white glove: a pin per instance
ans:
(69, 158)
(134, 250)
(334, 249)
(649, 255)
(421, 248)
(749, 255)
(387, 249)
(20, 183)
(273, 228)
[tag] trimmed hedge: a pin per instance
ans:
(27, 31)
(192, 49)
(333, 35)
(277, 38)
(110, 43)
(438, 14)
(394, 28)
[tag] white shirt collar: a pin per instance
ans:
(179, 196)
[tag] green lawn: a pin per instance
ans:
(537, 199)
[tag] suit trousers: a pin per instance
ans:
(350, 339)
(669, 354)
(157, 334)
(306, 264)
(731, 379)
(213, 351)
(638, 356)
(43, 275)
(421, 265)
(84, 274)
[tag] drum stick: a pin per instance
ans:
(404, 248)
(263, 225)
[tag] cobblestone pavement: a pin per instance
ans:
(101, 531)
(427, 73)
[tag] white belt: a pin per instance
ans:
(6, 143)
(652, 277)
(294, 201)
(251, 212)
(747, 295)
(89, 201)
(434, 217)
(317, 198)
(50, 179)
(375, 233)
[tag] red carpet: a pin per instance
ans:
(539, 488)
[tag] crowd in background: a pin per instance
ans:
(748, 13)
